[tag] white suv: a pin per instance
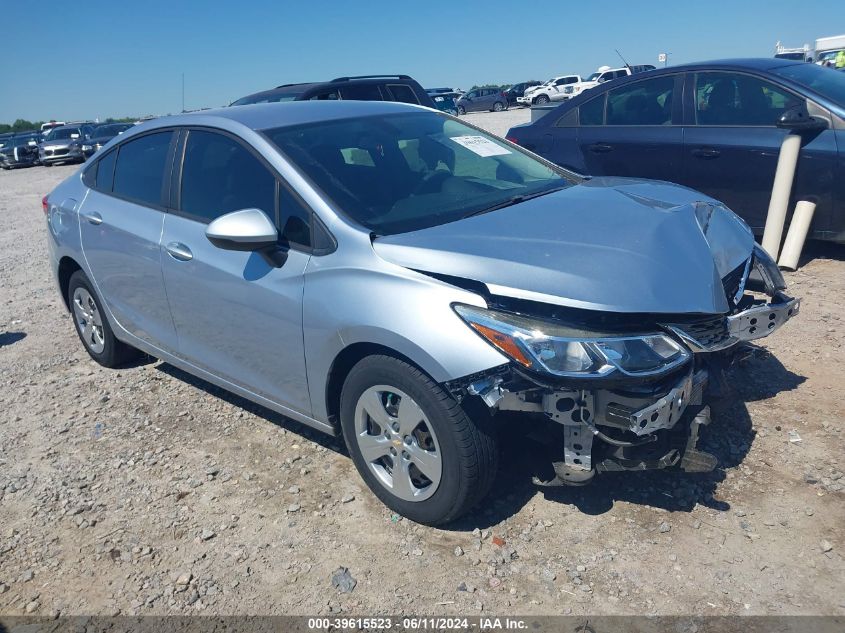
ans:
(552, 90)
(604, 73)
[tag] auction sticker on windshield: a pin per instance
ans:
(480, 145)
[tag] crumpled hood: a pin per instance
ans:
(611, 244)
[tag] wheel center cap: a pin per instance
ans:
(396, 442)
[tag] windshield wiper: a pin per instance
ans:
(512, 201)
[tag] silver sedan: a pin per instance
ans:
(389, 273)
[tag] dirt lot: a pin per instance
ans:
(146, 491)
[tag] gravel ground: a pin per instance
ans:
(146, 491)
(499, 122)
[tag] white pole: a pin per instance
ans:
(784, 174)
(797, 234)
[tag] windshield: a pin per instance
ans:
(268, 98)
(111, 130)
(593, 77)
(63, 133)
(827, 82)
(406, 172)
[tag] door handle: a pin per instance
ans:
(600, 148)
(179, 251)
(706, 152)
(93, 217)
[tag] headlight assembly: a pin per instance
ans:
(557, 349)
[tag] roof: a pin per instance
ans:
(263, 116)
(753, 63)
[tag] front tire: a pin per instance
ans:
(413, 444)
(461, 110)
(542, 100)
(93, 327)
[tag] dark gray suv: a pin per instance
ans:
(478, 99)
(401, 88)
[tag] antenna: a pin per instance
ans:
(622, 58)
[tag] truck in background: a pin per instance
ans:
(827, 48)
(804, 54)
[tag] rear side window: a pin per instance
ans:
(402, 93)
(361, 92)
(139, 171)
(592, 112)
(647, 102)
(219, 175)
(105, 172)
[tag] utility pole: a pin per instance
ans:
(183, 92)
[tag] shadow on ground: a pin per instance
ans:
(9, 338)
(815, 249)
(332, 443)
(729, 436)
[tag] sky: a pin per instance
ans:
(113, 58)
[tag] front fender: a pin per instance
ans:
(393, 307)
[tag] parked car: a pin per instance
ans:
(63, 145)
(21, 150)
(552, 90)
(446, 102)
(6, 138)
(400, 88)
(46, 127)
(101, 135)
(722, 139)
(518, 90)
(481, 99)
(602, 75)
(398, 277)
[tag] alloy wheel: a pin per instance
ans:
(398, 443)
(89, 320)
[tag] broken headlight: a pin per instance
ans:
(572, 352)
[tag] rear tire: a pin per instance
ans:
(93, 327)
(461, 110)
(400, 417)
(498, 106)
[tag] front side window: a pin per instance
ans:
(647, 102)
(409, 171)
(219, 175)
(737, 99)
(402, 93)
(139, 170)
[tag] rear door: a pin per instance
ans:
(639, 134)
(237, 316)
(121, 221)
(732, 145)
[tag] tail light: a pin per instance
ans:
(512, 139)
(45, 205)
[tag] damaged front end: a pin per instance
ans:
(629, 392)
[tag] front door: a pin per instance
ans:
(121, 221)
(237, 316)
(732, 144)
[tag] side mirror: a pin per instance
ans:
(248, 230)
(798, 119)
